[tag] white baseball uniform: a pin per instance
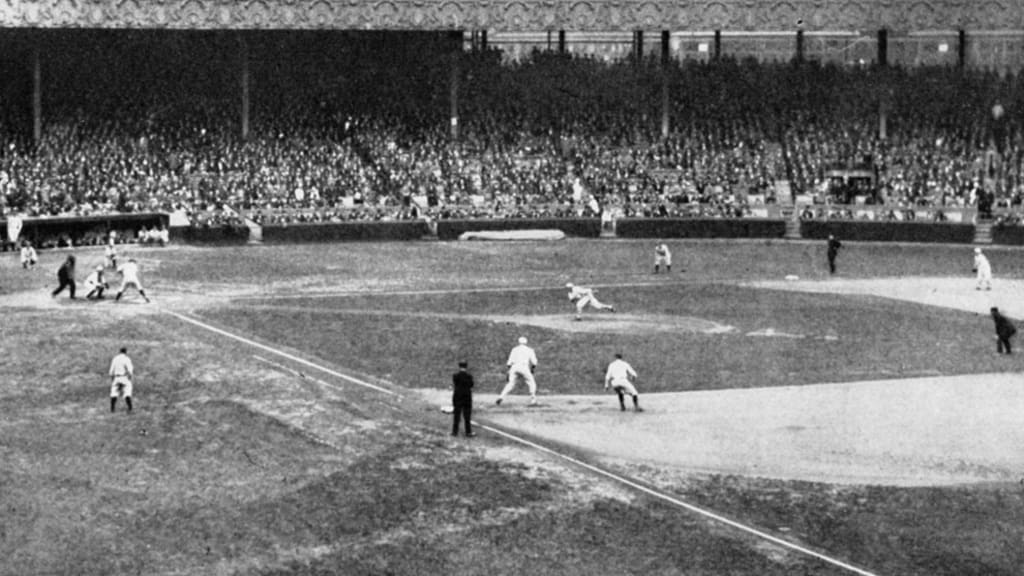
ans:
(984, 270)
(121, 372)
(521, 362)
(662, 256)
(28, 256)
(94, 281)
(620, 376)
(583, 297)
(110, 255)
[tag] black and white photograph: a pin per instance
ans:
(511, 287)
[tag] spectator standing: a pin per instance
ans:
(1004, 331)
(462, 399)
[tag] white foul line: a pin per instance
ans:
(281, 353)
(534, 445)
(680, 503)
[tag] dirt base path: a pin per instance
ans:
(907, 432)
(910, 432)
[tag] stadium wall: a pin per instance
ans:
(867, 231)
(346, 232)
(700, 228)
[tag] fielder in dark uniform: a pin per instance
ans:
(1004, 331)
(833, 250)
(462, 399)
(66, 277)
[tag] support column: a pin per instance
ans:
(799, 45)
(456, 40)
(718, 45)
(483, 40)
(638, 46)
(561, 42)
(883, 47)
(961, 49)
(37, 96)
(244, 79)
(665, 56)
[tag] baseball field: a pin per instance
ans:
(288, 413)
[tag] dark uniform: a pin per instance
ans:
(1004, 331)
(462, 399)
(833, 251)
(66, 277)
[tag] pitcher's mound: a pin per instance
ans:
(617, 323)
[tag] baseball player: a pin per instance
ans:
(620, 377)
(662, 257)
(583, 297)
(28, 256)
(121, 374)
(110, 252)
(983, 270)
(95, 284)
(522, 361)
(130, 277)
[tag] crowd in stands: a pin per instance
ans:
(357, 127)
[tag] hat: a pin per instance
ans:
(977, 250)
(99, 268)
(463, 363)
(522, 339)
(568, 284)
(994, 309)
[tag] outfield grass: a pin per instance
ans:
(844, 338)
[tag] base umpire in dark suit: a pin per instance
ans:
(462, 399)
(1004, 331)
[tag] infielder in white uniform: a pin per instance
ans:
(121, 374)
(130, 277)
(983, 269)
(29, 259)
(662, 257)
(95, 284)
(620, 377)
(582, 297)
(522, 361)
(110, 253)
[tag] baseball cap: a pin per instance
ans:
(977, 250)
(99, 268)
(522, 339)
(568, 284)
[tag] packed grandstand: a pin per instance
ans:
(348, 126)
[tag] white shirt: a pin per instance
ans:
(981, 263)
(577, 292)
(522, 357)
(93, 279)
(121, 365)
(619, 370)
(130, 272)
(661, 250)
